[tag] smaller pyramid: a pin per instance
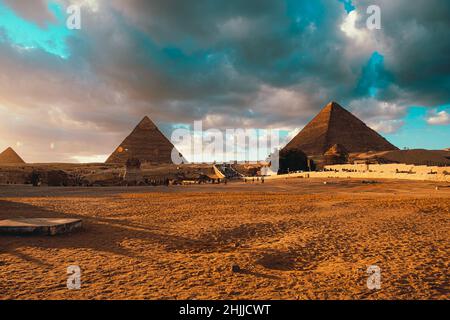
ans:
(9, 156)
(336, 150)
(145, 143)
(337, 154)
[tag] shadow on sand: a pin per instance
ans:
(99, 234)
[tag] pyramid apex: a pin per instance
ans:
(146, 119)
(9, 149)
(333, 105)
(146, 123)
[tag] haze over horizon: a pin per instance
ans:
(73, 95)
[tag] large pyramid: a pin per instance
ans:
(145, 143)
(335, 125)
(9, 156)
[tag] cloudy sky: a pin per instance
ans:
(73, 95)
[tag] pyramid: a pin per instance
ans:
(9, 156)
(145, 143)
(336, 126)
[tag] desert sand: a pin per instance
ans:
(293, 239)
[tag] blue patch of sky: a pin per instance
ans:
(305, 13)
(284, 137)
(180, 126)
(348, 5)
(27, 35)
(416, 133)
(374, 77)
(57, 11)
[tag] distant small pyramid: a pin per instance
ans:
(337, 149)
(336, 126)
(9, 156)
(145, 143)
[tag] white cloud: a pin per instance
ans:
(351, 31)
(381, 116)
(386, 126)
(438, 118)
(371, 108)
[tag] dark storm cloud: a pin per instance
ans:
(416, 42)
(219, 58)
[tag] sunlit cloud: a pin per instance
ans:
(438, 118)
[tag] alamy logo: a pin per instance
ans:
(221, 146)
(374, 20)
(74, 279)
(374, 280)
(73, 21)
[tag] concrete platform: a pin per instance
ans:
(39, 226)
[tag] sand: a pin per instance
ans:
(293, 239)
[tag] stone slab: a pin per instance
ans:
(39, 226)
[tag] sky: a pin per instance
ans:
(73, 95)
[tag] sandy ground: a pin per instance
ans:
(293, 239)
